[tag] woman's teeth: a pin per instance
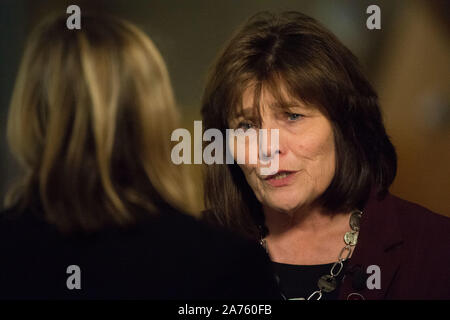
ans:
(281, 175)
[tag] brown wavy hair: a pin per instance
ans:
(90, 122)
(294, 51)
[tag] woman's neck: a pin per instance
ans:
(305, 236)
(312, 219)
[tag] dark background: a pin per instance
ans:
(407, 60)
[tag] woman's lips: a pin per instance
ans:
(277, 181)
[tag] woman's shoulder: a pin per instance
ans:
(168, 230)
(422, 230)
(175, 254)
(414, 214)
(393, 220)
(412, 222)
(158, 227)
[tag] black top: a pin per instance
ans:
(300, 281)
(168, 256)
(407, 242)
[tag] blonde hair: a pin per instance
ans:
(90, 122)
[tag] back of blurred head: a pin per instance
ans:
(90, 120)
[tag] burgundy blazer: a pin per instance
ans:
(411, 246)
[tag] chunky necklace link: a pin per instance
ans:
(328, 283)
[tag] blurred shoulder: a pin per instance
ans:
(209, 217)
(235, 267)
(208, 233)
(13, 219)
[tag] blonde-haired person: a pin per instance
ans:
(90, 122)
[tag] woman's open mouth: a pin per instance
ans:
(281, 178)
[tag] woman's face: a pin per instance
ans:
(306, 153)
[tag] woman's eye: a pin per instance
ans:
(244, 126)
(293, 116)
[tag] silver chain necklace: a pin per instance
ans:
(328, 283)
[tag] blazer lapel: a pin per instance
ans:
(379, 244)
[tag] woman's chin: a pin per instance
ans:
(285, 206)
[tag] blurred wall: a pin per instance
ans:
(407, 61)
(413, 84)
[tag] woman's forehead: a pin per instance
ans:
(254, 102)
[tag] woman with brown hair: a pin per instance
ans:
(98, 213)
(325, 216)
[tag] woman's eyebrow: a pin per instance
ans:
(288, 105)
(246, 112)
